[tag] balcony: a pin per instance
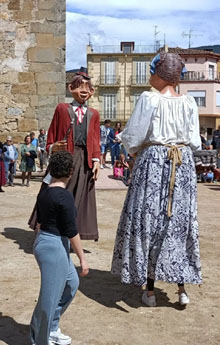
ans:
(202, 76)
(119, 115)
(108, 81)
(139, 81)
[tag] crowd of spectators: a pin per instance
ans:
(26, 153)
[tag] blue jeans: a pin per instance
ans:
(115, 152)
(59, 283)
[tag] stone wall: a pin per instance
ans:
(32, 64)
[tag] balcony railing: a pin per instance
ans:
(139, 81)
(109, 80)
(201, 76)
(115, 49)
(117, 115)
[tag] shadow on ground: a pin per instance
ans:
(25, 239)
(217, 187)
(12, 332)
(106, 289)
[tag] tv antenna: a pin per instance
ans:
(89, 39)
(190, 35)
(156, 41)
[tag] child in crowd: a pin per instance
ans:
(126, 171)
(207, 176)
(118, 170)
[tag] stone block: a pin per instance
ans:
(26, 77)
(33, 100)
(30, 113)
(4, 15)
(17, 137)
(24, 89)
(24, 16)
(47, 89)
(45, 113)
(46, 67)
(51, 89)
(18, 98)
(14, 112)
(46, 101)
(14, 5)
(50, 77)
(49, 40)
(50, 15)
(45, 27)
(27, 125)
(44, 123)
(50, 4)
(43, 54)
(9, 78)
(28, 5)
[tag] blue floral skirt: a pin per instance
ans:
(148, 243)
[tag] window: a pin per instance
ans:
(217, 98)
(110, 72)
(200, 97)
(141, 72)
(109, 106)
(127, 49)
(211, 72)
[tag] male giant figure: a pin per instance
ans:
(76, 128)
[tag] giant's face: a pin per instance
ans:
(82, 93)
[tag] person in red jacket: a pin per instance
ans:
(76, 128)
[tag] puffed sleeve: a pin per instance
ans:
(134, 134)
(195, 141)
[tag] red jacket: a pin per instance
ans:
(60, 124)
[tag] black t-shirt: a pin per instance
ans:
(56, 211)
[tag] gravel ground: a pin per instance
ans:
(105, 312)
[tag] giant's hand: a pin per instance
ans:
(59, 146)
(95, 170)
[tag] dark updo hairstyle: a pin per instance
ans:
(61, 164)
(169, 67)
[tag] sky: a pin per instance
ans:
(109, 22)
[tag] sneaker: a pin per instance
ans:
(101, 166)
(49, 343)
(183, 298)
(149, 301)
(59, 338)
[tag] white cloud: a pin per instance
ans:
(111, 22)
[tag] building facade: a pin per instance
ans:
(202, 81)
(119, 77)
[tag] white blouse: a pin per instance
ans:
(162, 119)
